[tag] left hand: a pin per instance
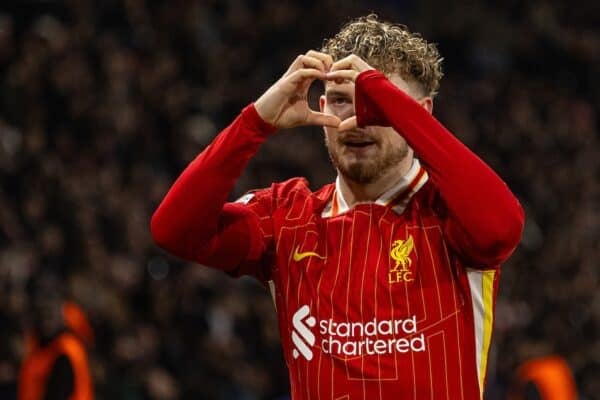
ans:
(348, 68)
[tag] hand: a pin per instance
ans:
(348, 68)
(285, 104)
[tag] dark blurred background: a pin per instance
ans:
(103, 103)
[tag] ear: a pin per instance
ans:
(427, 103)
(322, 109)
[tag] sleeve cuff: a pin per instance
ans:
(365, 113)
(369, 74)
(251, 117)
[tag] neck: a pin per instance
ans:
(354, 192)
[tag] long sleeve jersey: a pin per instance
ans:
(392, 299)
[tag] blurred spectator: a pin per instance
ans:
(544, 378)
(56, 364)
(102, 103)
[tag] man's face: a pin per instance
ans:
(365, 154)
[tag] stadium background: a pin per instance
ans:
(103, 103)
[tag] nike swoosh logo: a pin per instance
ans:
(301, 256)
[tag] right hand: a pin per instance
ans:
(285, 104)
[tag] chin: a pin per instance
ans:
(360, 172)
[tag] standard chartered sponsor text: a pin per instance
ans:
(373, 337)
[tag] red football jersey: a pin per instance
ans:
(391, 299)
(371, 301)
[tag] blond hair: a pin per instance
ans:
(390, 48)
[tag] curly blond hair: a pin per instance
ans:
(390, 48)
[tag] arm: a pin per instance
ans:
(485, 220)
(194, 221)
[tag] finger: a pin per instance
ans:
(348, 62)
(351, 62)
(303, 61)
(322, 119)
(344, 63)
(325, 58)
(313, 62)
(348, 124)
(305, 73)
(341, 75)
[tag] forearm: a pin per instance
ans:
(488, 213)
(188, 217)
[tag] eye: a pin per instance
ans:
(339, 101)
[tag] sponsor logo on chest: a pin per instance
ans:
(354, 338)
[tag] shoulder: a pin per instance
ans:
(428, 201)
(297, 190)
(293, 186)
(277, 191)
(287, 194)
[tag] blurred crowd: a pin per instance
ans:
(103, 103)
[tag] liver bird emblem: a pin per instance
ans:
(401, 250)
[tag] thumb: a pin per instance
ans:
(322, 119)
(348, 124)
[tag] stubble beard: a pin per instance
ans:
(368, 170)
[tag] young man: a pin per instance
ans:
(385, 280)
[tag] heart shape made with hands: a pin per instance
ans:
(285, 104)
